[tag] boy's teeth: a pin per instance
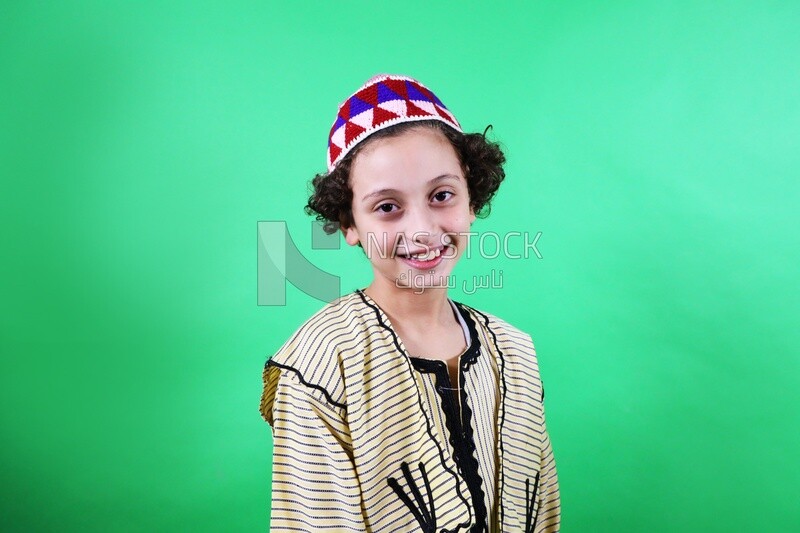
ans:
(428, 256)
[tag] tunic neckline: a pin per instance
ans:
(466, 359)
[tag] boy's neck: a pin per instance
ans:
(416, 310)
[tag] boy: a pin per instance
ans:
(395, 408)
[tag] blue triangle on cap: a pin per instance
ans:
(338, 123)
(414, 94)
(385, 94)
(358, 106)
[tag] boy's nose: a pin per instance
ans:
(422, 228)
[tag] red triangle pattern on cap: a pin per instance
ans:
(397, 86)
(335, 151)
(415, 111)
(344, 111)
(443, 113)
(380, 115)
(351, 131)
(369, 95)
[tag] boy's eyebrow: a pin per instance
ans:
(392, 191)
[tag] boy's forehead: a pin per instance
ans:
(417, 135)
(403, 163)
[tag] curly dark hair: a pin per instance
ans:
(482, 161)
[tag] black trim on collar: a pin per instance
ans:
(467, 359)
(471, 355)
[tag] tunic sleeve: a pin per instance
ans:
(549, 519)
(314, 482)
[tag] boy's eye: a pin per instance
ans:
(386, 208)
(442, 195)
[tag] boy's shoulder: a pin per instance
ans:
(513, 347)
(493, 324)
(322, 333)
(312, 357)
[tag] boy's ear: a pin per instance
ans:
(350, 235)
(471, 215)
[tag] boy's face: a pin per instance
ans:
(410, 196)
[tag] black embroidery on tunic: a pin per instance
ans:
(428, 424)
(470, 357)
(306, 383)
(501, 411)
(461, 435)
(467, 437)
(530, 503)
(424, 513)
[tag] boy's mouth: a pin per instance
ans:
(424, 255)
(426, 260)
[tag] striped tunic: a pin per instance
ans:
(368, 438)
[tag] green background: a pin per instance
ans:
(654, 145)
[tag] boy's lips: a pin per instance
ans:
(429, 260)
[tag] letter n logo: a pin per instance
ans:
(279, 260)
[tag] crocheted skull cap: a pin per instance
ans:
(384, 100)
